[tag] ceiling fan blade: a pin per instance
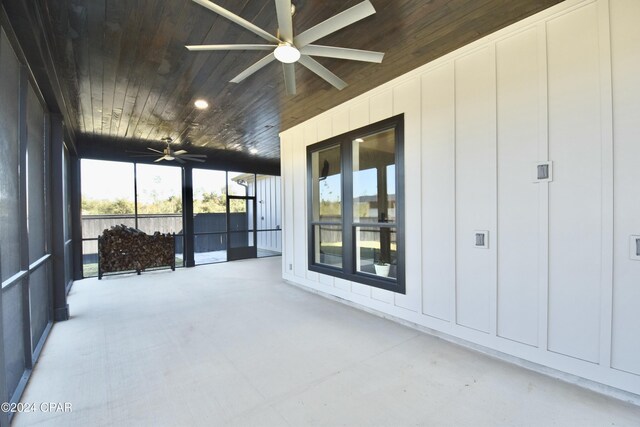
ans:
(193, 159)
(154, 150)
(179, 152)
(160, 159)
(237, 20)
(289, 78)
(143, 155)
(208, 47)
(335, 23)
(285, 20)
(320, 70)
(255, 67)
(179, 160)
(342, 53)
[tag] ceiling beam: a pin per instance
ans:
(105, 148)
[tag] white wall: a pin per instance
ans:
(269, 217)
(557, 285)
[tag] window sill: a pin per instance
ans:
(389, 284)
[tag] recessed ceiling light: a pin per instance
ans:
(201, 104)
(254, 151)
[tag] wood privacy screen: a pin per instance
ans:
(123, 248)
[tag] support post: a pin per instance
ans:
(60, 306)
(76, 217)
(188, 241)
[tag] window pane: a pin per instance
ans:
(9, 207)
(241, 184)
(268, 196)
(106, 202)
(210, 248)
(376, 251)
(163, 223)
(327, 185)
(328, 245)
(241, 239)
(241, 215)
(269, 243)
(90, 258)
(210, 222)
(13, 337)
(39, 302)
(374, 178)
(209, 201)
(94, 225)
(179, 250)
(36, 170)
(159, 198)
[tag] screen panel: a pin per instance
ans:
(13, 338)
(9, 166)
(40, 302)
(36, 171)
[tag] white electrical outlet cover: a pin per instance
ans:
(634, 248)
(481, 239)
(549, 177)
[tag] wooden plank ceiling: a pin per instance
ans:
(127, 77)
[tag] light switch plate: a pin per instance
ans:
(634, 248)
(543, 172)
(481, 239)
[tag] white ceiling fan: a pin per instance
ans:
(169, 154)
(290, 49)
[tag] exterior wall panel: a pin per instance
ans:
(477, 121)
(518, 205)
(575, 193)
(625, 40)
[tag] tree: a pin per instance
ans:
(107, 207)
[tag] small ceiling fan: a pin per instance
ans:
(290, 49)
(169, 154)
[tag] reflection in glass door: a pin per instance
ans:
(241, 227)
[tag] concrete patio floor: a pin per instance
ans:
(231, 344)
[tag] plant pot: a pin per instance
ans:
(382, 269)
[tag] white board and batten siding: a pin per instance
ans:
(268, 194)
(557, 285)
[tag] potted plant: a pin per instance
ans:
(382, 266)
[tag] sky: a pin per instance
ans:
(208, 181)
(365, 183)
(106, 180)
(114, 180)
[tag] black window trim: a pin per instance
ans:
(348, 270)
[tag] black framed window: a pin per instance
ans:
(355, 205)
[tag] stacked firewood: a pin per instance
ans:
(158, 250)
(123, 248)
